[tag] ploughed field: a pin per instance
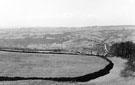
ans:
(48, 65)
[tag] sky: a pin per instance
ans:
(66, 13)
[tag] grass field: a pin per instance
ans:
(48, 65)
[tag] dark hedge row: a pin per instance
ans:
(83, 78)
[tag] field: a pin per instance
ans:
(48, 65)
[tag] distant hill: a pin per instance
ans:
(70, 38)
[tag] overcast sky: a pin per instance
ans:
(67, 13)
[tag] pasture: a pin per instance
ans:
(48, 65)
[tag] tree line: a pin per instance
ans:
(123, 50)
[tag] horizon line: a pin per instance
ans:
(30, 27)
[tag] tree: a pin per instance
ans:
(123, 49)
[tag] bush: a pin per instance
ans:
(129, 70)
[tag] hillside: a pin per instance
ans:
(82, 39)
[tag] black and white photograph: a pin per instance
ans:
(67, 42)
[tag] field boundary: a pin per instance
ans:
(83, 78)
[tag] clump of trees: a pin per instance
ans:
(125, 50)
